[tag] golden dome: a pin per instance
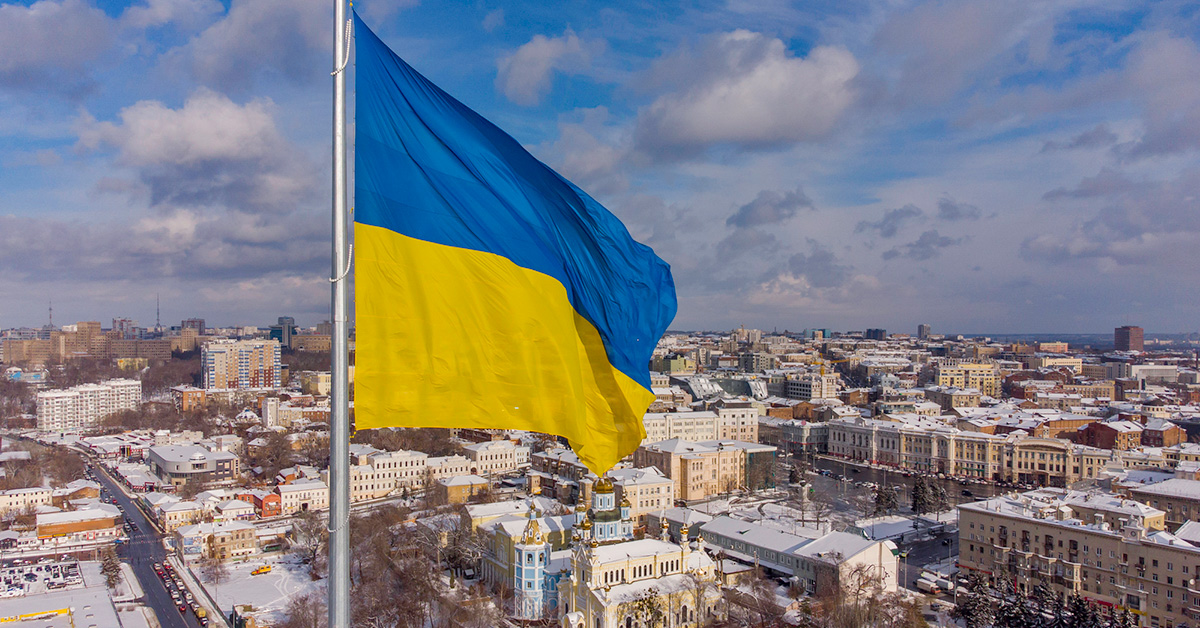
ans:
(603, 485)
(625, 503)
(586, 525)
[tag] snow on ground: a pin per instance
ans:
(267, 593)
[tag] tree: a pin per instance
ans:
(309, 539)
(920, 496)
(646, 609)
(110, 566)
(975, 608)
(938, 500)
(885, 501)
(699, 588)
(190, 489)
(758, 473)
(306, 611)
(213, 570)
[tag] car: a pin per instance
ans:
(114, 500)
(183, 608)
(966, 493)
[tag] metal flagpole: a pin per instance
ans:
(339, 427)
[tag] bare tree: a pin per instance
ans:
(699, 588)
(309, 539)
(644, 610)
(306, 611)
(213, 570)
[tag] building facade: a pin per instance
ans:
(82, 407)
(241, 364)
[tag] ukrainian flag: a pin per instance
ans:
(490, 291)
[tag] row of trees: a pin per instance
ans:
(1001, 607)
(434, 441)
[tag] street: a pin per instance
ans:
(895, 477)
(141, 552)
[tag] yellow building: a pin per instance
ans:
(1107, 549)
(698, 470)
(982, 377)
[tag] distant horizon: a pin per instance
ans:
(105, 323)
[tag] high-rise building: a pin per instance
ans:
(125, 327)
(876, 334)
(923, 331)
(284, 330)
(241, 364)
(83, 406)
(1128, 338)
(193, 323)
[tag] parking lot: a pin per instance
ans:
(18, 577)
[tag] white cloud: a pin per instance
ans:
(493, 20)
(48, 44)
(210, 151)
(257, 36)
(186, 14)
(524, 76)
(746, 89)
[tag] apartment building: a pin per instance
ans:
(1110, 550)
(813, 386)
(736, 420)
(303, 494)
(241, 364)
(983, 377)
(698, 470)
(496, 457)
(645, 490)
(921, 444)
(693, 426)
(22, 499)
(949, 397)
(219, 540)
(82, 407)
(1178, 498)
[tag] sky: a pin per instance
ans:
(983, 166)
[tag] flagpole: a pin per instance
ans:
(339, 425)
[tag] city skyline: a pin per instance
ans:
(996, 168)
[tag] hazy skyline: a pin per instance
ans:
(989, 167)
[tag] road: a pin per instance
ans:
(143, 550)
(896, 478)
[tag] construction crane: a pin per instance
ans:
(824, 362)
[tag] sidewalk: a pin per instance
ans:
(215, 616)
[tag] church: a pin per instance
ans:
(585, 569)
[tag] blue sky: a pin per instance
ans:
(1001, 166)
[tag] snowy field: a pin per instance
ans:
(267, 593)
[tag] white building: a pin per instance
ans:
(691, 426)
(21, 499)
(83, 406)
(496, 456)
(304, 494)
(813, 386)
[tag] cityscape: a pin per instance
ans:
(599, 314)
(178, 475)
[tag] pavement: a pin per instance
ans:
(145, 548)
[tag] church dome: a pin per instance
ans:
(604, 485)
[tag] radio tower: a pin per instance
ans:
(157, 312)
(51, 313)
